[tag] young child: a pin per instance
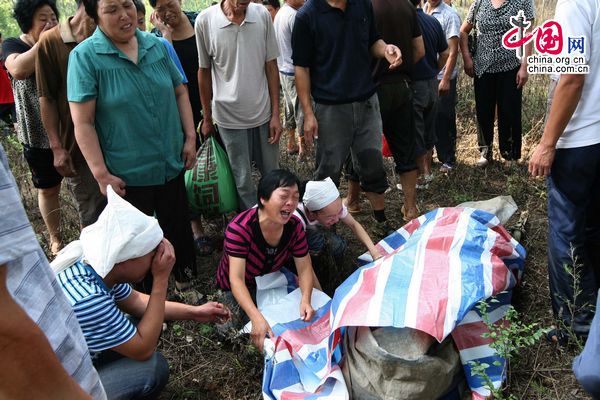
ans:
(320, 209)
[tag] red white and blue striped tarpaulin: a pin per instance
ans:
(434, 271)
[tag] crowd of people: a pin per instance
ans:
(120, 113)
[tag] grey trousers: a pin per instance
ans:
(244, 146)
(355, 129)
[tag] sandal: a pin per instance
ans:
(204, 246)
(55, 248)
(411, 216)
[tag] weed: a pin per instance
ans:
(510, 335)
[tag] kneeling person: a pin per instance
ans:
(95, 272)
(321, 207)
(261, 240)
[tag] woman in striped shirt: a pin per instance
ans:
(264, 239)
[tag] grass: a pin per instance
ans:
(204, 367)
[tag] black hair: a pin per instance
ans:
(25, 9)
(78, 3)
(91, 9)
(415, 2)
(273, 180)
(139, 6)
(152, 3)
(273, 3)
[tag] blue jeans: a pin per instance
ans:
(124, 378)
(574, 234)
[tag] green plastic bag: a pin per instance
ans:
(210, 185)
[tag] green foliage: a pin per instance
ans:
(510, 335)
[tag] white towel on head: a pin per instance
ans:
(121, 233)
(320, 194)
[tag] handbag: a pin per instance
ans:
(472, 38)
(210, 185)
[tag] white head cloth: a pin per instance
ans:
(121, 233)
(320, 194)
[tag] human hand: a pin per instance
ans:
(306, 311)
(541, 161)
(444, 87)
(207, 128)
(163, 260)
(375, 254)
(310, 129)
(188, 155)
(468, 65)
(393, 55)
(274, 129)
(165, 30)
(63, 163)
(117, 184)
(260, 328)
(212, 312)
(522, 76)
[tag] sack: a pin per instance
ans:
(210, 185)
(396, 363)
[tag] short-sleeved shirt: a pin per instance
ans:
(397, 23)
(31, 283)
(450, 21)
(137, 118)
(335, 45)
(51, 73)
(174, 57)
(435, 43)
(577, 20)
(284, 24)
(492, 23)
(103, 324)
(30, 130)
(244, 239)
(236, 56)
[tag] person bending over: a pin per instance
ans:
(95, 272)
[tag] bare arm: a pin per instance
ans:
(362, 235)
(272, 73)
(465, 29)
(306, 283)
(22, 66)
(205, 86)
(444, 86)
(260, 327)
(83, 115)
(62, 159)
(30, 369)
(418, 49)
(142, 345)
(311, 126)
(187, 122)
(566, 97)
(390, 52)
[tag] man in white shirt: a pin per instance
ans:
(569, 155)
(239, 87)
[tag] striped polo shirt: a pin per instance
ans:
(244, 239)
(103, 324)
